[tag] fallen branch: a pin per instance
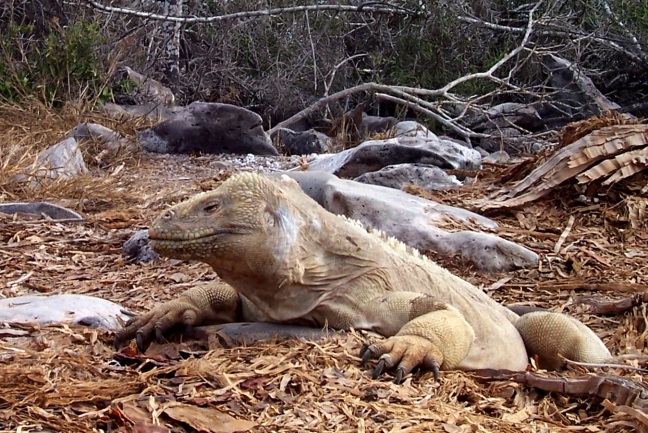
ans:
(619, 391)
(594, 287)
(612, 307)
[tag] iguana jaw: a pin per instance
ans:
(188, 245)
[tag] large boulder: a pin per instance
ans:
(209, 128)
(415, 221)
(376, 154)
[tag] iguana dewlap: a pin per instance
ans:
(286, 259)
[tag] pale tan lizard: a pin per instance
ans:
(285, 259)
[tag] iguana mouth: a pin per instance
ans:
(202, 234)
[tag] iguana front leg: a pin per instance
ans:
(203, 305)
(434, 336)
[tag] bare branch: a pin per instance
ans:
(386, 8)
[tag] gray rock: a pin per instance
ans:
(372, 125)
(138, 248)
(503, 139)
(414, 220)
(209, 128)
(483, 152)
(376, 154)
(410, 128)
(397, 176)
(499, 157)
(252, 332)
(52, 211)
(56, 309)
(455, 140)
(300, 142)
(504, 115)
(61, 161)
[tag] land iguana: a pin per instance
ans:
(285, 259)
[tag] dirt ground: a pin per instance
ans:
(70, 379)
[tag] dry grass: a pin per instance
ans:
(67, 379)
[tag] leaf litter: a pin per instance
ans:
(70, 379)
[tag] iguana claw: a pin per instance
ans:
(379, 369)
(365, 355)
(404, 353)
(141, 342)
(399, 376)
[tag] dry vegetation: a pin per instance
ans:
(69, 379)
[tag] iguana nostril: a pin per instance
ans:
(167, 215)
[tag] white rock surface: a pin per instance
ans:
(55, 309)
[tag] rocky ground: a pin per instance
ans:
(60, 378)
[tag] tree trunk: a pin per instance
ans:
(171, 32)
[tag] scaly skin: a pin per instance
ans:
(286, 259)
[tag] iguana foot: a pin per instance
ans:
(405, 353)
(437, 340)
(553, 336)
(156, 322)
(203, 305)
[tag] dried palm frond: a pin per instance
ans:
(576, 130)
(606, 155)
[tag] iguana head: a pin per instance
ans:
(244, 226)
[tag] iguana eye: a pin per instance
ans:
(212, 207)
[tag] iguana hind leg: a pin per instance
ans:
(437, 337)
(551, 336)
(202, 305)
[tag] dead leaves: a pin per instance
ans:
(148, 415)
(207, 419)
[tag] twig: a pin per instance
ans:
(565, 233)
(327, 86)
(465, 133)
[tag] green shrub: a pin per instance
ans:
(62, 65)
